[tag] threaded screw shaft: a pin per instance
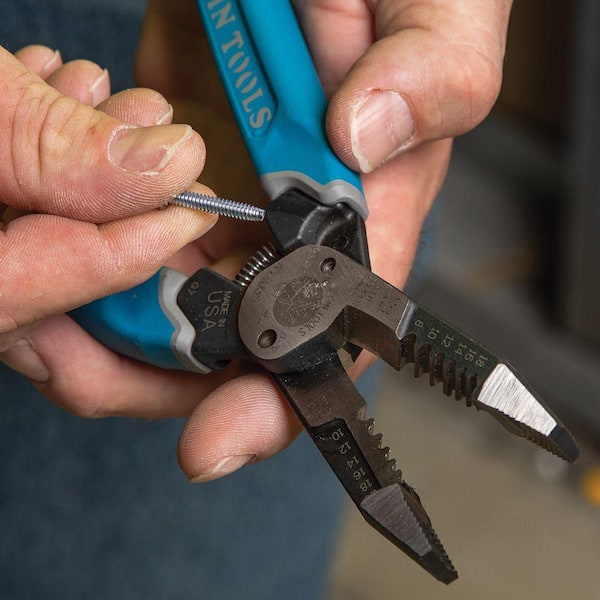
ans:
(220, 206)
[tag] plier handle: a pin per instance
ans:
(278, 100)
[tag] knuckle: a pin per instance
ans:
(476, 80)
(83, 407)
(85, 401)
(8, 325)
(62, 133)
(47, 135)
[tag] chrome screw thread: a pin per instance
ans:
(219, 206)
(264, 258)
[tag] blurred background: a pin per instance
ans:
(514, 258)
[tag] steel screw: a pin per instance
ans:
(220, 206)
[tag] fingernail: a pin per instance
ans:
(147, 149)
(25, 360)
(98, 89)
(380, 127)
(166, 118)
(51, 64)
(224, 467)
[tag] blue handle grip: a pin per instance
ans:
(145, 323)
(277, 99)
(132, 322)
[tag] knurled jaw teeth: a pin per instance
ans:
(380, 461)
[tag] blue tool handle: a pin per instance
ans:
(145, 323)
(277, 99)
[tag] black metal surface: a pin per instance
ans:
(297, 220)
(211, 302)
(462, 366)
(315, 295)
(447, 355)
(333, 412)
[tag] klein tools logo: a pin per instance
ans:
(299, 302)
(246, 82)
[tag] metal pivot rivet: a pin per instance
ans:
(267, 338)
(328, 266)
(220, 206)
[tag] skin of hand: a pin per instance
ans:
(404, 77)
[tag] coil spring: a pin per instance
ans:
(264, 258)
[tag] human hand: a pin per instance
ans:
(404, 77)
(442, 60)
(79, 187)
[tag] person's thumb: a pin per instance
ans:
(61, 157)
(434, 72)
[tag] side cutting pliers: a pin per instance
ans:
(305, 305)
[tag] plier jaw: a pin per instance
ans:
(346, 439)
